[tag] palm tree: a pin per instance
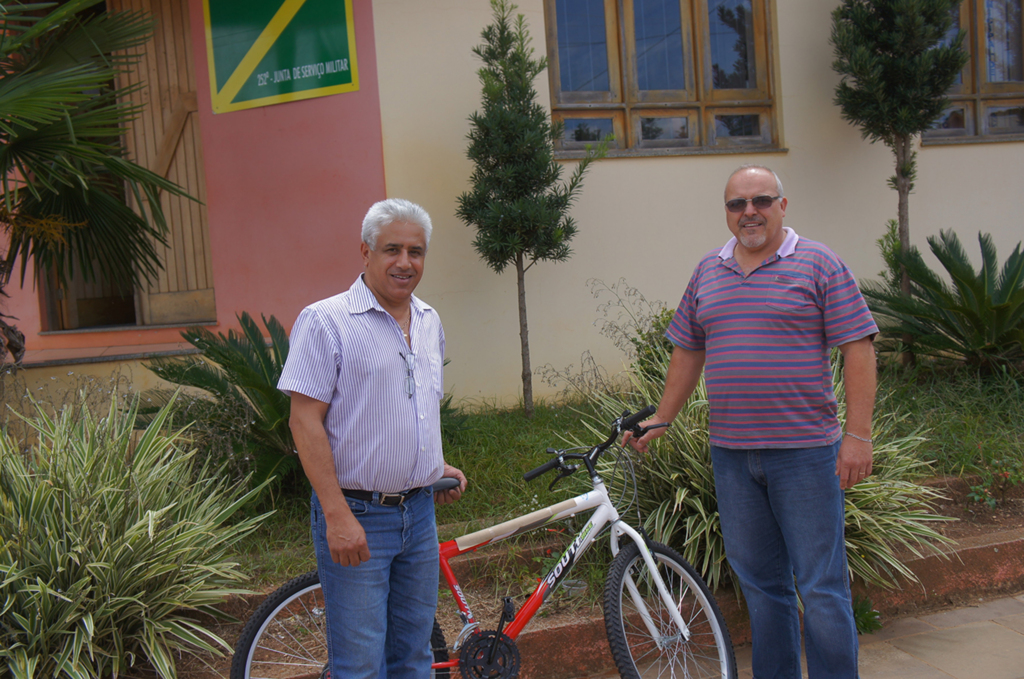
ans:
(64, 176)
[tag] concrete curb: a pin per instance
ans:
(981, 566)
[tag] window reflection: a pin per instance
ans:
(665, 132)
(737, 126)
(659, 45)
(731, 24)
(1006, 119)
(580, 131)
(582, 45)
(947, 39)
(951, 119)
(1003, 29)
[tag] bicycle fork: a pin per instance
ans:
(634, 592)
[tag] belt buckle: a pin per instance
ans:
(388, 499)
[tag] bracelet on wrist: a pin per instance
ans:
(859, 438)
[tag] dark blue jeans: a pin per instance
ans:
(380, 613)
(782, 517)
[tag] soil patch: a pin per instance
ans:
(972, 518)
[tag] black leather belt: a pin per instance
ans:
(383, 499)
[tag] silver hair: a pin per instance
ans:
(387, 212)
(752, 166)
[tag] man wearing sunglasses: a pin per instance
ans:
(759, 317)
(364, 375)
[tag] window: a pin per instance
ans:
(662, 76)
(987, 100)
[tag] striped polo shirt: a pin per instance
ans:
(767, 337)
(349, 352)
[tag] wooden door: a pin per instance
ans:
(165, 139)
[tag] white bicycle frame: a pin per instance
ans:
(604, 514)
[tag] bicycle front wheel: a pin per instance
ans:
(286, 638)
(644, 641)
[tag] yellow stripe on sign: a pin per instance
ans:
(259, 49)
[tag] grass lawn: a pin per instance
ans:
(968, 420)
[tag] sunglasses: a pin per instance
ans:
(760, 203)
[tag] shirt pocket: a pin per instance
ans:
(789, 295)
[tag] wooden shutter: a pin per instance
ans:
(165, 139)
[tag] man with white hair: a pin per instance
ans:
(759, 317)
(364, 372)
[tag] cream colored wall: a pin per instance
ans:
(647, 220)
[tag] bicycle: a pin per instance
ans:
(659, 615)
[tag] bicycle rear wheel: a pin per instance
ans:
(286, 638)
(639, 653)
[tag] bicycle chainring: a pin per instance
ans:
(475, 658)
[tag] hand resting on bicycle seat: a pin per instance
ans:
(449, 487)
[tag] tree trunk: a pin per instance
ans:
(904, 169)
(524, 338)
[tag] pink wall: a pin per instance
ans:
(287, 188)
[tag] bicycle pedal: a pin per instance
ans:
(508, 609)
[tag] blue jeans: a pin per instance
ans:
(380, 613)
(782, 517)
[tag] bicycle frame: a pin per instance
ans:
(604, 514)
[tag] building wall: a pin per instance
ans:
(647, 220)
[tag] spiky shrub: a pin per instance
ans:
(244, 414)
(113, 541)
(885, 514)
(978, 317)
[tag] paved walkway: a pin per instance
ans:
(984, 641)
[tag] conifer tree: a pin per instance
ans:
(897, 62)
(517, 203)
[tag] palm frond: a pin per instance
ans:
(240, 373)
(113, 240)
(61, 159)
(45, 98)
(980, 319)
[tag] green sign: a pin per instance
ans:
(264, 52)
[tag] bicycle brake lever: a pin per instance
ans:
(639, 431)
(564, 473)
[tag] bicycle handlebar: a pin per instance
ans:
(637, 418)
(622, 424)
(546, 467)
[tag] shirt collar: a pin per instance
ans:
(362, 299)
(787, 248)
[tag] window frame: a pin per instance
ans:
(699, 101)
(975, 93)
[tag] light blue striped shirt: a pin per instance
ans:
(348, 352)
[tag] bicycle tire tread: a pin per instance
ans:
(613, 610)
(256, 620)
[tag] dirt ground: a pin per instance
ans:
(973, 519)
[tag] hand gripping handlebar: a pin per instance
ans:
(635, 419)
